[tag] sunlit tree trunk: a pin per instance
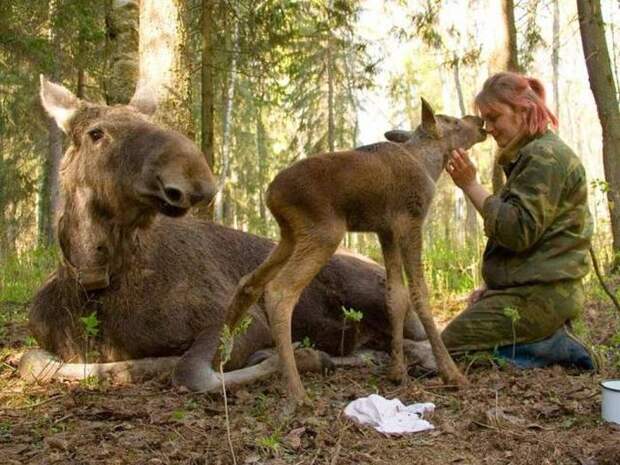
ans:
(555, 58)
(471, 220)
(612, 27)
(604, 91)
(503, 58)
(122, 46)
(330, 96)
(48, 201)
(222, 200)
(164, 66)
(261, 152)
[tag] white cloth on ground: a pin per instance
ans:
(390, 416)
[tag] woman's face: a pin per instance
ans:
(502, 122)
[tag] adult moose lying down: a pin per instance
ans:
(159, 283)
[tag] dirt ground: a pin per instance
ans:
(506, 416)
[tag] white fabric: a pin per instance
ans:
(389, 416)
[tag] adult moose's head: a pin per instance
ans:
(120, 171)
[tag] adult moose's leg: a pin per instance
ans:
(397, 302)
(411, 249)
(313, 249)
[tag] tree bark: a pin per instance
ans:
(330, 97)
(504, 58)
(207, 131)
(222, 210)
(207, 98)
(555, 59)
(49, 196)
(604, 90)
(122, 50)
(261, 151)
(164, 66)
(471, 220)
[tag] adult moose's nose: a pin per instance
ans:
(176, 195)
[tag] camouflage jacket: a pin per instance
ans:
(539, 226)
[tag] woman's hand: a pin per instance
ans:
(461, 169)
(476, 295)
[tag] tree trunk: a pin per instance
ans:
(164, 68)
(49, 196)
(504, 58)
(223, 195)
(261, 151)
(207, 122)
(604, 91)
(555, 58)
(122, 50)
(330, 95)
(207, 131)
(471, 220)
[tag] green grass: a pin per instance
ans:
(451, 269)
(21, 275)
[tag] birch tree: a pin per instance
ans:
(164, 67)
(604, 90)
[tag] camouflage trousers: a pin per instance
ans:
(514, 315)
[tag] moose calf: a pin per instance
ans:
(385, 188)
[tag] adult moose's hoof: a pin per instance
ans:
(314, 361)
(196, 376)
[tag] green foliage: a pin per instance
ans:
(270, 445)
(352, 315)
(21, 275)
(514, 316)
(90, 324)
(91, 383)
(36, 37)
(450, 268)
(227, 338)
(306, 343)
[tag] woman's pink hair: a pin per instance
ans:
(520, 93)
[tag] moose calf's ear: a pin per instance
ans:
(429, 123)
(58, 102)
(398, 135)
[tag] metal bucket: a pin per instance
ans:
(610, 404)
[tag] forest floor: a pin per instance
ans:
(506, 416)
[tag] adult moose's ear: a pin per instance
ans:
(144, 99)
(398, 135)
(58, 102)
(429, 122)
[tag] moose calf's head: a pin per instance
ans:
(442, 133)
(118, 173)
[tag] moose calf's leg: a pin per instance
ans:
(251, 286)
(397, 302)
(412, 256)
(310, 254)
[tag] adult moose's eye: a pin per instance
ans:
(95, 134)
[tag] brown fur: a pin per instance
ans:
(385, 188)
(159, 285)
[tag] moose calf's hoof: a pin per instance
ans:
(397, 373)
